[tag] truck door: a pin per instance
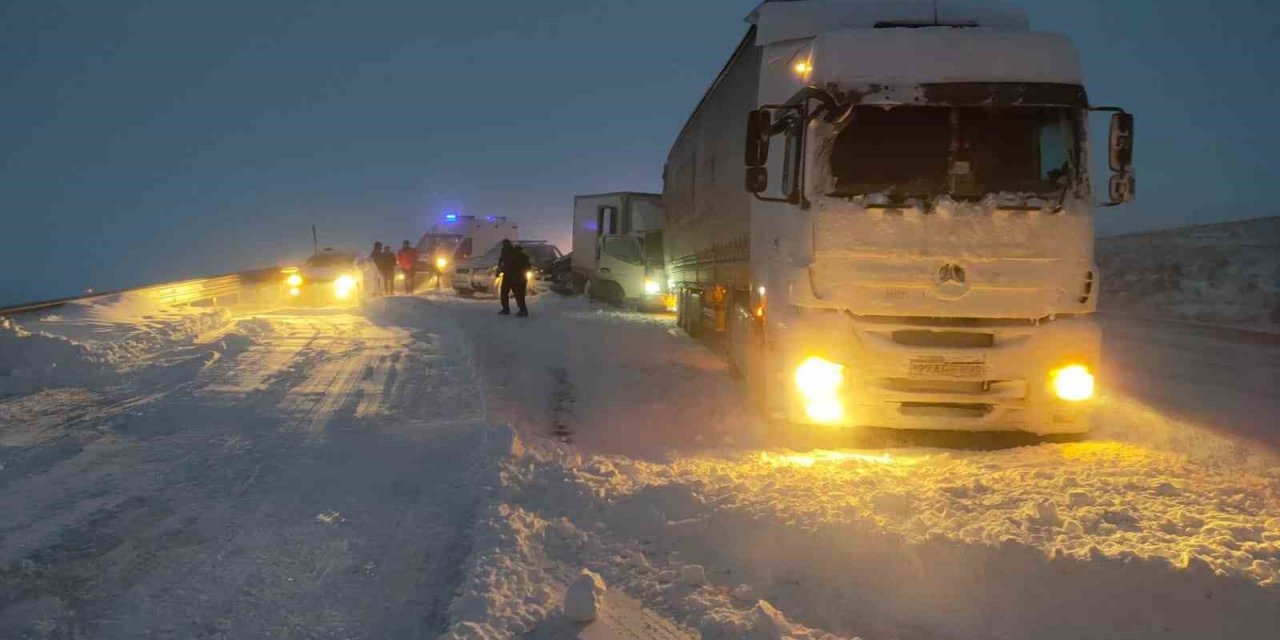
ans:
(622, 261)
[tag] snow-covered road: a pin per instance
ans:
(300, 475)
(335, 474)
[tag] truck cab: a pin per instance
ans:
(617, 249)
(917, 246)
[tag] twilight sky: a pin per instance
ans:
(147, 140)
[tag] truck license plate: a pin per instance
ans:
(947, 367)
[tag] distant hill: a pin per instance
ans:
(1226, 273)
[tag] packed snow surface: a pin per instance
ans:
(422, 466)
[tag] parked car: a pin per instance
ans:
(329, 277)
(480, 274)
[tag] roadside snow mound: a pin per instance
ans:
(82, 342)
(1219, 274)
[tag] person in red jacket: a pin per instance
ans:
(408, 259)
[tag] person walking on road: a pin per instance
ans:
(408, 259)
(386, 263)
(514, 269)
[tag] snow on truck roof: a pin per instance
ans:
(778, 20)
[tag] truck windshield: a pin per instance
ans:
(967, 153)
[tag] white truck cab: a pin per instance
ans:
(617, 248)
(914, 246)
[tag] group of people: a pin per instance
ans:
(386, 262)
(513, 265)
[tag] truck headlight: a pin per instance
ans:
(294, 280)
(1073, 383)
(343, 286)
(652, 287)
(819, 380)
(441, 263)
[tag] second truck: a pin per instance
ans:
(913, 244)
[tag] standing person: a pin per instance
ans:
(519, 277)
(386, 262)
(504, 266)
(375, 256)
(408, 259)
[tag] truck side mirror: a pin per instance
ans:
(759, 124)
(1123, 187)
(757, 179)
(1122, 142)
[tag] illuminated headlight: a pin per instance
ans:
(294, 280)
(343, 286)
(652, 287)
(1073, 383)
(399, 276)
(819, 382)
(294, 291)
(528, 276)
(441, 263)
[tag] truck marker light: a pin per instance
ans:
(819, 381)
(803, 68)
(1073, 383)
(294, 280)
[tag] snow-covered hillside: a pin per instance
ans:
(1225, 273)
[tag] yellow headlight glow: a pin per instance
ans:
(528, 276)
(294, 291)
(343, 286)
(294, 280)
(1073, 383)
(652, 287)
(819, 381)
(441, 263)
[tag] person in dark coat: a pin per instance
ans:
(386, 263)
(504, 265)
(518, 275)
(375, 257)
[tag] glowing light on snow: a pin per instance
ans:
(814, 458)
(1073, 383)
(343, 286)
(819, 381)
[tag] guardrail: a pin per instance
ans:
(183, 292)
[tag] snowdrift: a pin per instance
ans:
(1225, 273)
(85, 343)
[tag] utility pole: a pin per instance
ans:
(315, 240)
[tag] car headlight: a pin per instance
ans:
(294, 280)
(652, 287)
(343, 286)
(441, 263)
(1073, 383)
(819, 381)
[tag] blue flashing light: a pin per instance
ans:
(451, 217)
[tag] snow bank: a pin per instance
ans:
(1220, 274)
(1001, 544)
(85, 343)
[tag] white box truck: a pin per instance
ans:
(617, 248)
(914, 245)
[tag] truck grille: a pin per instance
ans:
(944, 339)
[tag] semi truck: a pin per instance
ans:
(881, 214)
(617, 248)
